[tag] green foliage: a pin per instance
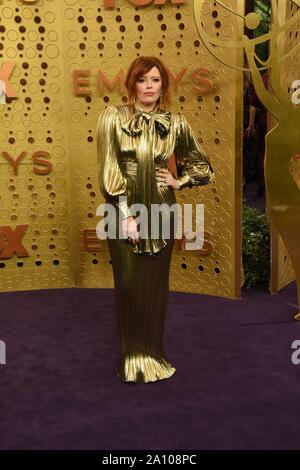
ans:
(256, 247)
(263, 9)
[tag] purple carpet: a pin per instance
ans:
(235, 386)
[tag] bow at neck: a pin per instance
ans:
(161, 120)
(146, 192)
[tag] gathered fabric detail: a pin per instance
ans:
(146, 125)
(135, 125)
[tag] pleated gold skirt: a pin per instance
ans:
(141, 299)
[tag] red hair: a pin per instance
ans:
(138, 68)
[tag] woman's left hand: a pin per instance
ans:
(165, 177)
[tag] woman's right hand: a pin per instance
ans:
(129, 229)
(250, 131)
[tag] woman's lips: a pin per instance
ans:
(149, 94)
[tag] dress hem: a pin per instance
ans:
(145, 369)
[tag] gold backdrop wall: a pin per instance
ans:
(56, 46)
(34, 127)
(282, 272)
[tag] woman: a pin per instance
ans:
(134, 145)
(261, 130)
(249, 131)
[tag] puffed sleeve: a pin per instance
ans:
(193, 166)
(111, 180)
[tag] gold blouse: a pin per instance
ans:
(131, 143)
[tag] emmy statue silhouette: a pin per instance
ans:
(282, 152)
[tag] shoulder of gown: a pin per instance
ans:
(111, 179)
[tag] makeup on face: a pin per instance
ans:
(148, 88)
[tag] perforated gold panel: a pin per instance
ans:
(77, 53)
(35, 212)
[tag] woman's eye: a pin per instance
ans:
(141, 80)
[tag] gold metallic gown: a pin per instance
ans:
(131, 143)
